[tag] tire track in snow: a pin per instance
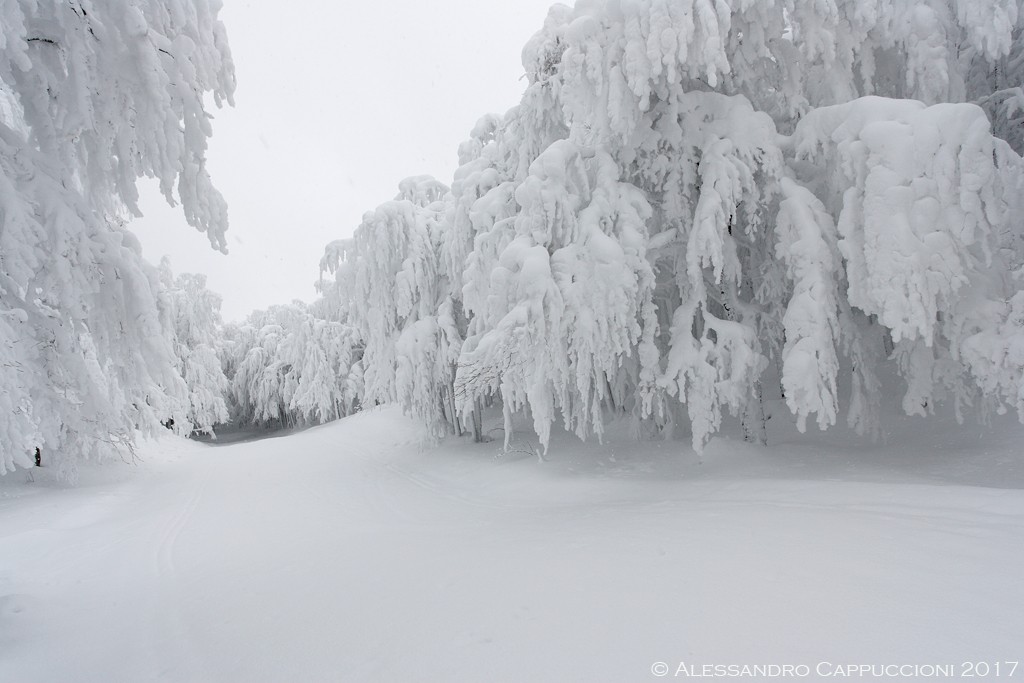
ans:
(164, 555)
(173, 642)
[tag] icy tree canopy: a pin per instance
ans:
(94, 95)
(698, 204)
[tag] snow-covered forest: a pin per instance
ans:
(696, 204)
(708, 353)
(694, 207)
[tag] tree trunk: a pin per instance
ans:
(454, 415)
(478, 421)
(753, 419)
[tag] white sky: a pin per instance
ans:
(336, 103)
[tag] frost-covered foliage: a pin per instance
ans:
(928, 220)
(564, 302)
(697, 202)
(197, 336)
(288, 367)
(400, 304)
(95, 95)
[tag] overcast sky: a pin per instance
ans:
(336, 102)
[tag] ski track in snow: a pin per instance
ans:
(353, 552)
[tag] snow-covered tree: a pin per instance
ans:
(565, 302)
(697, 200)
(398, 298)
(196, 328)
(289, 367)
(329, 383)
(95, 95)
(787, 222)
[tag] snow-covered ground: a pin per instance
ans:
(356, 551)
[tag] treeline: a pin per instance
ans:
(690, 208)
(282, 367)
(687, 211)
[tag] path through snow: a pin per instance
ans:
(348, 552)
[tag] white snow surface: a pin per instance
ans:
(360, 550)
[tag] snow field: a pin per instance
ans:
(359, 551)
